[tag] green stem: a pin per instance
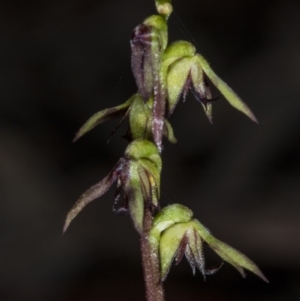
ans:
(150, 260)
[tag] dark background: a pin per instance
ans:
(62, 61)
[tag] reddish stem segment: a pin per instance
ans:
(150, 260)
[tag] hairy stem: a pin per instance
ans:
(150, 260)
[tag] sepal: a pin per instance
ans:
(103, 116)
(227, 92)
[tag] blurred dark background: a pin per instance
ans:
(62, 61)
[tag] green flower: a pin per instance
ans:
(137, 174)
(184, 69)
(176, 234)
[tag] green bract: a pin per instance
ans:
(175, 233)
(137, 174)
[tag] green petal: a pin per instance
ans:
(102, 116)
(228, 93)
(93, 193)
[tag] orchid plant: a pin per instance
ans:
(164, 73)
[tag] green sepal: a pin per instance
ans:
(102, 116)
(177, 50)
(177, 77)
(168, 216)
(140, 119)
(174, 52)
(229, 254)
(175, 213)
(134, 193)
(161, 32)
(143, 149)
(227, 92)
(93, 193)
(168, 246)
(148, 43)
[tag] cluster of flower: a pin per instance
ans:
(163, 73)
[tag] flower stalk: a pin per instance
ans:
(151, 263)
